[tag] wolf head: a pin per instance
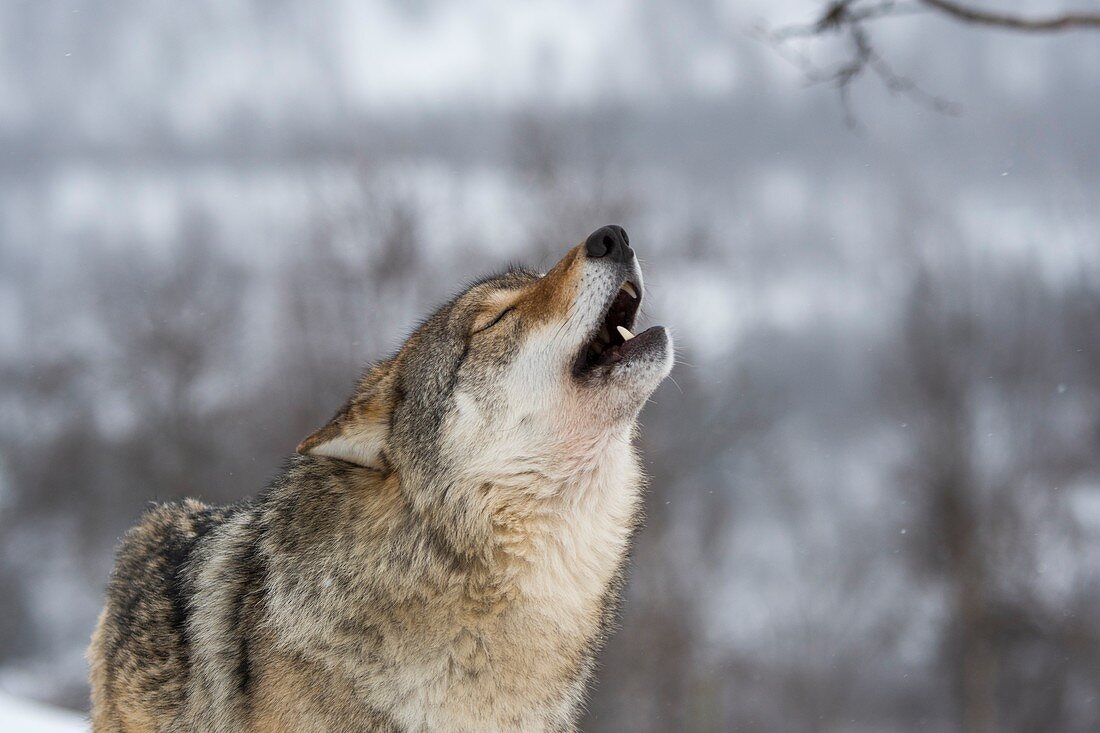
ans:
(515, 375)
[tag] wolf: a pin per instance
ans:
(445, 554)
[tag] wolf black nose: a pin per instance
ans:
(609, 241)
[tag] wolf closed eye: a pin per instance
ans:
(490, 324)
(445, 554)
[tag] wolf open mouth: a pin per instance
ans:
(612, 342)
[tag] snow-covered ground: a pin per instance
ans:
(22, 716)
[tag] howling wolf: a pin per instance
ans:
(446, 554)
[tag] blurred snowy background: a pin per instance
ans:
(876, 479)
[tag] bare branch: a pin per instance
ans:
(847, 18)
(1069, 21)
(841, 13)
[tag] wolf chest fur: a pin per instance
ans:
(446, 554)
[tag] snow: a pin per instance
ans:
(23, 716)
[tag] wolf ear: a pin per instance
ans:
(360, 431)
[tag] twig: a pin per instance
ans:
(1069, 21)
(846, 17)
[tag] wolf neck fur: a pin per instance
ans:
(565, 515)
